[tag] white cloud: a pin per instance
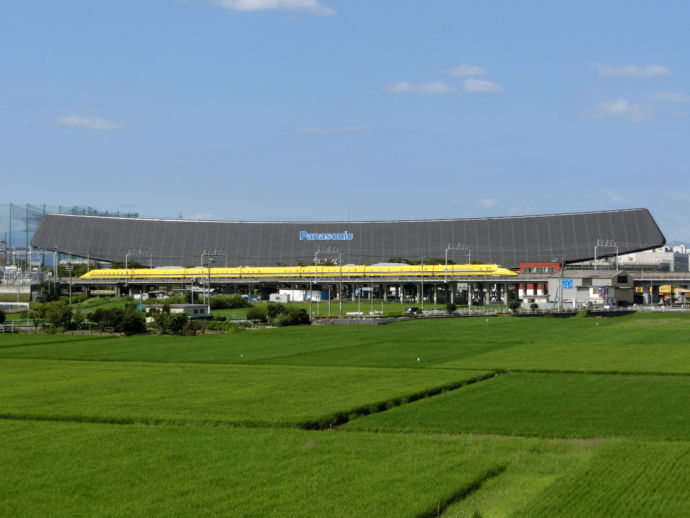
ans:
(404, 87)
(312, 6)
(468, 70)
(481, 86)
(632, 70)
(621, 109)
(486, 203)
(90, 123)
(331, 131)
(671, 97)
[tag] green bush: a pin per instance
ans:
(178, 323)
(534, 305)
(229, 302)
(106, 318)
(2, 316)
(257, 315)
(273, 310)
(167, 323)
(514, 305)
(133, 323)
(450, 307)
(127, 321)
(215, 325)
(292, 317)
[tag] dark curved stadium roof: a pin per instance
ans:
(507, 241)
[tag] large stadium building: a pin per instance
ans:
(508, 241)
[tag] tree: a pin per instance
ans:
(133, 323)
(178, 323)
(58, 314)
(108, 318)
(2, 316)
(167, 323)
(37, 313)
(127, 321)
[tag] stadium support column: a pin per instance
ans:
(655, 294)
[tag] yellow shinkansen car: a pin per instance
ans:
(301, 272)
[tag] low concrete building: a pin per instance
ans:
(598, 289)
(191, 310)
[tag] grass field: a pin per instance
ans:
(584, 418)
(110, 470)
(252, 395)
(552, 405)
(645, 480)
(636, 343)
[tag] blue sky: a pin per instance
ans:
(347, 109)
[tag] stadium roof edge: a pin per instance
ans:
(344, 222)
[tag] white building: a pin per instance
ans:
(665, 259)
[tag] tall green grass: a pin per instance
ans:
(644, 480)
(67, 469)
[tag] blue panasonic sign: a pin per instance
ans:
(317, 236)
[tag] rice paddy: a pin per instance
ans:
(473, 417)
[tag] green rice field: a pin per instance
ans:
(464, 417)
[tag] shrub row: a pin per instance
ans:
(127, 320)
(279, 315)
(229, 302)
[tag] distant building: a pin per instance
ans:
(592, 289)
(664, 258)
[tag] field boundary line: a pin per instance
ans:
(602, 373)
(340, 418)
(271, 359)
(57, 343)
(128, 421)
(463, 493)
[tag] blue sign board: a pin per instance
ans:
(567, 284)
(327, 236)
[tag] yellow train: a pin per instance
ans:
(302, 272)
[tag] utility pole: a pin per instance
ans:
(454, 247)
(208, 298)
(70, 269)
(422, 284)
